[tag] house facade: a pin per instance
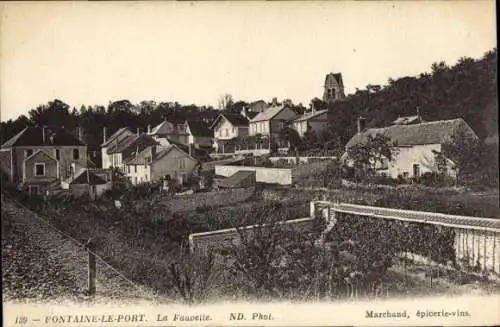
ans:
(416, 145)
(271, 121)
(315, 121)
(109, 159)
(156, 163)
(39, 156)
(226, 127)
(120, 149)
(171, 131)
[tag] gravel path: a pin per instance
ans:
(40, 263)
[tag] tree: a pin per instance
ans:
(367, 157)
(464, 149)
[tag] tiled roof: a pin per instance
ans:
(199, 129)
(236, 119)
(435, 132)
(33, 136)
(119, 134)
(130, 140)
(237, 179)
(310, 115)
(163, 128)
(268, 114)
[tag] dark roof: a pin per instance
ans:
(198, 128)
(310, 115)
(435, 132)
(236, 119)
(86, 176)
(198, 154)
(236, 180)
(33, 136)
(269, 113)
(251, 114)
(131, 140)
(337, 76)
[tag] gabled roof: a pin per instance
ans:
(34, 136)
(435, 132)
(162, 152)
(119, 134)
(163, 128)
(199, 129)
(34, 154)
(310, 115)
(236, 119)
(129, 141)
(269, 113)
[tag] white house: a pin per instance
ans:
(154, 163)
(313, 120)
(271, 121)
(109, 159)
(226, 127)
(416, 145)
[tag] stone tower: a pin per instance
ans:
(334, 87)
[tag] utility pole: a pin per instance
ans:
(90, 247)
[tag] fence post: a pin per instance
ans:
(91, 268)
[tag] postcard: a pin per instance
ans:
(269, 163)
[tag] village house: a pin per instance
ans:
(117, 137)
(313, 120)
(271, 121)
(171, 131)
(40, 157)
(226, 127)
(88, 182)
(120, 148)
(155, 163)
(416, 144)
(199, 134)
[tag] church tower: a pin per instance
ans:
(333, 88)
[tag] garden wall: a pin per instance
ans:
(280, 176)
(215, 198)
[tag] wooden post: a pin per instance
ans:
(91, 268)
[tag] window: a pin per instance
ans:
(135, 169)
(182, 164)
(76, 154)
(416, 170)
(58, 154)
(28, 153)
(227, 132)
(39, 169)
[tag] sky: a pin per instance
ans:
(96, 52)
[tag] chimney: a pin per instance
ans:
(104, 134)
(149, 129)
(153, 152)
(80, 133)
(361, 124)
(43, 134)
